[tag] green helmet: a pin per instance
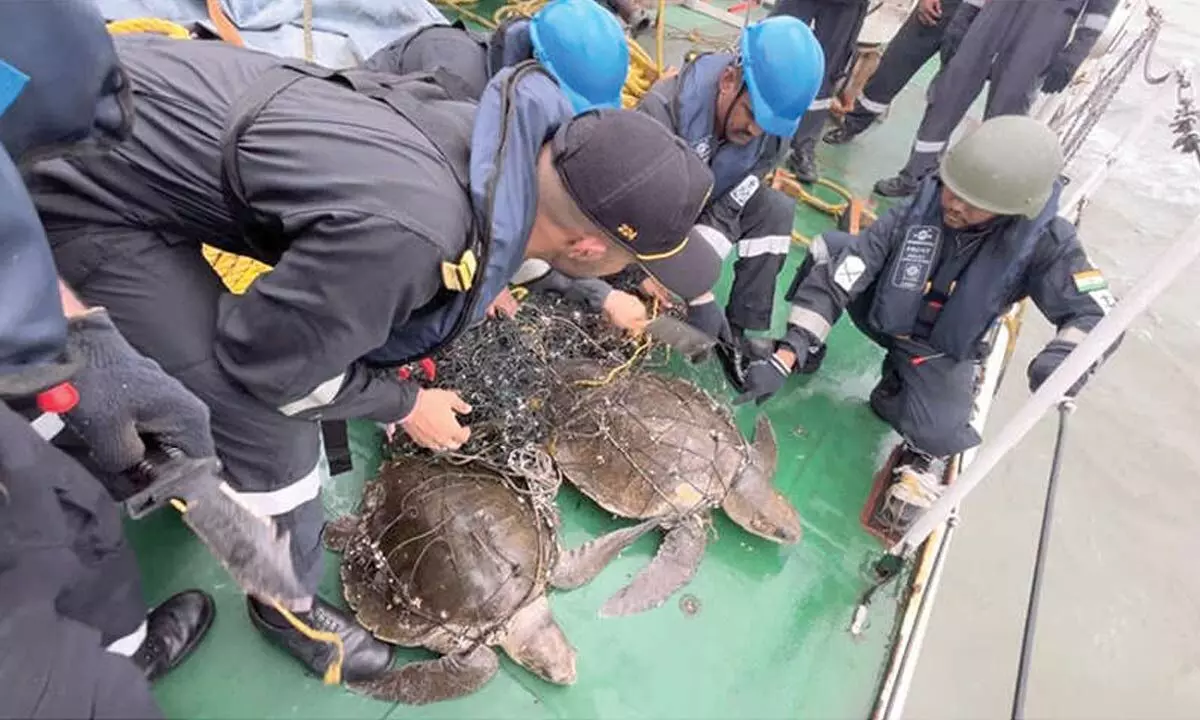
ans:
(1007, 165)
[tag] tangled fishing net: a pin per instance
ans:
(506, 369)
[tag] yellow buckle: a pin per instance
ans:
(461, 275)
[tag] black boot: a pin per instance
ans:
(173, 630)
(803, 162)
(845, 132)
(365, 656)
(900, 186)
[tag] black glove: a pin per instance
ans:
(764, 378)
(956, 29)
(1048, 360)
(123, 394)
(1068, 60)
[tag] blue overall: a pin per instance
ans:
(928, 294)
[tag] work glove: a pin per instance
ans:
(764, 378)
(1047, 361)
(124, 395)
(1068, 60)
(956, 30)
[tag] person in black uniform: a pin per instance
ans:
(917, 40)
(76, 640)
(392, 213)
(836, 24)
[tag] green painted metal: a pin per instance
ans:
(769, 639)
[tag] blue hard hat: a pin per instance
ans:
(782, 66)
(584, 48)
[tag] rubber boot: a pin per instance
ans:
(173, 630)
(916, 485)
(899, 186)
(365, 657)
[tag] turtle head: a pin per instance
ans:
(535, 642)
(753, 502)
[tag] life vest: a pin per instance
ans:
(949, 308)
(472, 281)
(693, 108)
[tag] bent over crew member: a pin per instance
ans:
(363, 191)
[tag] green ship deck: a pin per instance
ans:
(770, 636)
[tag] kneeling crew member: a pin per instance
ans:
(928, 279)
(736, 112)
(369, 197)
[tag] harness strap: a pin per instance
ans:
(336, 438)
(263, 233)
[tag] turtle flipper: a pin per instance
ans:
(448, 677)
(338, 533)
(672, 567)
(580, 565)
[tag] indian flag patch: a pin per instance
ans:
(1089, 281)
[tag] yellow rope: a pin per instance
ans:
(148, 25)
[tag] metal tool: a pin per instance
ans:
(257, 557)
(683, 337)
(1065, 408)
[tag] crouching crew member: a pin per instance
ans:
(736, 112)
(928, 279)
(367, 194)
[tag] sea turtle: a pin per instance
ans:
(657, 448)
(450, 558)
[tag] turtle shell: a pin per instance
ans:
(644, 445)
(443, 546)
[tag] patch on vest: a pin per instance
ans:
(1104, 299)
(849, 272)
(744, 190)
(703, 148)
(1089, 281)
(917, 254)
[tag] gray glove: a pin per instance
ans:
(124, 395)
(956, 29)
(1068, 60)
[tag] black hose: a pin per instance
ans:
(1018, 708)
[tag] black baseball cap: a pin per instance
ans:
(644, 188)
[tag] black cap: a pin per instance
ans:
(645, 188)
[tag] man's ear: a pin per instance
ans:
(588, 247)
(729, 79)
